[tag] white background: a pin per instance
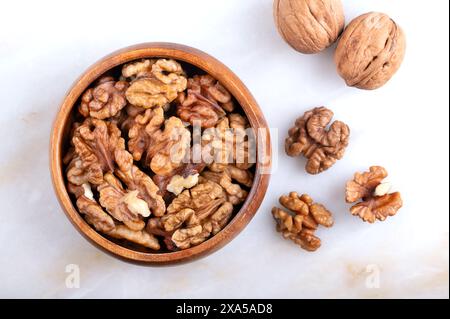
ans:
(45, 46)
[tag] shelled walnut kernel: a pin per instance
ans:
(373, 197)
(300, 219)
(310, 137)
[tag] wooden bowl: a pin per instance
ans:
(63, 122)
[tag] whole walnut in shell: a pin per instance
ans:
(309, 26)
(370, 51)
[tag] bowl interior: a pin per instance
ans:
(193, 62)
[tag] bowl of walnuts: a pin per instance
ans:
(159, 154)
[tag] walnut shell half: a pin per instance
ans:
(309, 26)
(370, 51)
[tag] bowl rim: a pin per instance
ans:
(237, 89)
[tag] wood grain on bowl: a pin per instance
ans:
(200, 60)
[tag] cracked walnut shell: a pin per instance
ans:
(309, 26)
(374, 200)
(370, 51)
(311, 137)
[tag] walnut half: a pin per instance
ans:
(120, 205)
(374, 200)
(104, 223)
(320, 144)
(105, 100)
(205, 102)
(95, 143)
(193, 216)
(89, 207)
(157, 83)
(301, 219)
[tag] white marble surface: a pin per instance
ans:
(404, 126)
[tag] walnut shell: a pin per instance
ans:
(370, 51)
(309, 26)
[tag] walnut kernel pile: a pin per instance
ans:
(300, 219)
(132, 166)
